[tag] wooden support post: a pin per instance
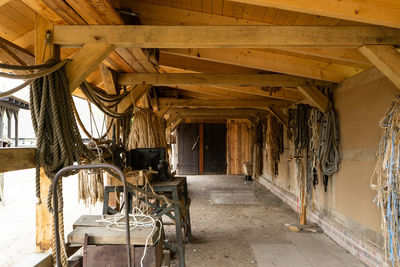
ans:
(317, 99)
(201, 148)
(16, 128)
(9, 124)
(2, 110)
(44, 219)
(279, 115)
(386, 58)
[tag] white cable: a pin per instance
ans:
(136, 219)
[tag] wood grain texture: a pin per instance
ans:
(225, 36)
(386, 58)
(166, 79)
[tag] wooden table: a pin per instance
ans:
(177, 188)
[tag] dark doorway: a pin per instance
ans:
(201, 148)
(188, 148)
(214, 149)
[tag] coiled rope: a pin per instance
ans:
(59, 143)
(387, 183)
(328, 153)
(48, 69)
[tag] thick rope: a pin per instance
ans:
(59, 143)
(328, 153)
(35, 75)
(78, 119)
(88, 91)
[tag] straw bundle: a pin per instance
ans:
(147, 130)
(91, 187)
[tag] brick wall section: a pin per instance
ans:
(356, 245)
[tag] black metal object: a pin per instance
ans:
(59, 174)
(177, 189)
(144, 158)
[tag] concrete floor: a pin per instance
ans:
(242, 224)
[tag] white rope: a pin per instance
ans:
(136, 219)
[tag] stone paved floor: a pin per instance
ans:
(241, 224)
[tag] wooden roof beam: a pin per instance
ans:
(210, 79)
(316, 97)
(273, 61)
(109, 79)
(386, 58)
(215, 112)
(224, 36)
(85, 61)
(194, 103)
(151, 14)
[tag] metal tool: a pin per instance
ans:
(55, 201)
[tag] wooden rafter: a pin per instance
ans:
(224, 36)
(109, 79)
(84, 62)
(172, 63)
(215, 112)
(269, 61)
(248, 92)
(180, 103)
(386, 58)
(317, 99)
(135, 94)
(167, 79)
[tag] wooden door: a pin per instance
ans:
(188, 148)
(214, 149)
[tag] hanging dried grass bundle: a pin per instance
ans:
(91, 187)
(147, 130)
(274, 144)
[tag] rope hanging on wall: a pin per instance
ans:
(274, 144)
(387, 184)
(328, 153)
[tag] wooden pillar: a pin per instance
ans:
(44, 50)
(1, 122)
(16, 127)
(201, 148)
(9, 124)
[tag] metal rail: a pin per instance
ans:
(55, 201)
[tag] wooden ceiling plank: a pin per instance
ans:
(3, 2)
(180, 63)
(224, 36)
(338, 54)
(19, 52)
(386, 58)
(162, 15)
(57, 12)
(211, 79)
(379, 12)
